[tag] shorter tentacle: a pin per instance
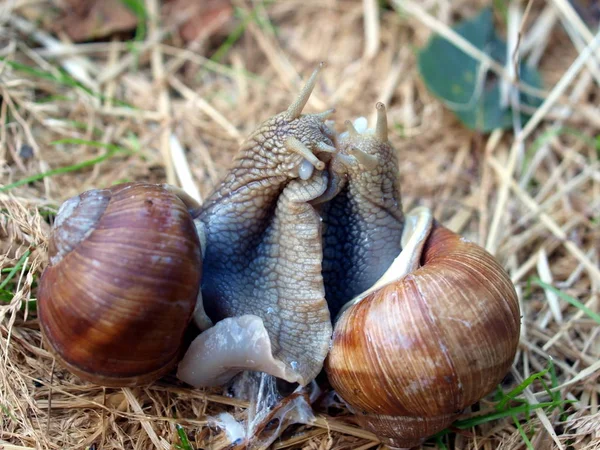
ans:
(324, 147)
(295, 145)
(350, 128)
(369, 161)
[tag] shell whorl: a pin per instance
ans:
(76, 220)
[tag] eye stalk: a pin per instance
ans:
(295, 109)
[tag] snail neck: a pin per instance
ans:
(417, 227)
(362, 219)
(237, 213)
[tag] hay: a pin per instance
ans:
(541, 219)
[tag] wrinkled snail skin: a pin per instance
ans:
(121, 285)
(412, 354)
(263, 252)
(363, 220)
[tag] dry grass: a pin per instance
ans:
(541, 219)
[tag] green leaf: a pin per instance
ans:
(454, 77)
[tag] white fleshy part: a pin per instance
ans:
(199, 225)
(233, 429)
(306, 170)
(361, 124)
(231, 346)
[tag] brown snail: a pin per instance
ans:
(122, 283)
(432, 334)
(427, 342)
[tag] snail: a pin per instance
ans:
(262, 284)
(438, 330)
(122, 283)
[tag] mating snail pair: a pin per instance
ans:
(301, 259)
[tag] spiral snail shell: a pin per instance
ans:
(122, 283)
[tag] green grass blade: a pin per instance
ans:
(546, 136)
(112, 149)
(520, 388)
(15, 269)
(521, 409)
(7, 412)
(138, 8)
(232, 38)
(62, 78)
(523, 434)
(573, 301)
(237, 33)
(185, 442)
(440, 443)
(6, 296)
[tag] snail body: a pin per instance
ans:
(362, 212)
(122, 283)
(263, 255)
